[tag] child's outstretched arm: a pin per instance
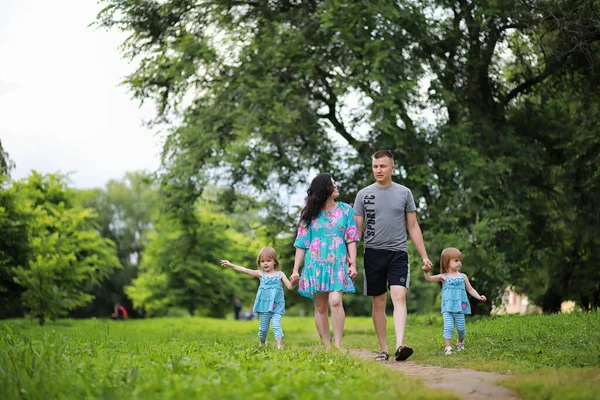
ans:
(429, 278)
(472, 290)
(252, 272)
(286, 281)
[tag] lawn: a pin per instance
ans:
(547, 356)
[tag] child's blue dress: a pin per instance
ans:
(454, 296)
(269, 297)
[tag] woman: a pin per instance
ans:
(326, 243)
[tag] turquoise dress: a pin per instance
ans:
(325, 239)
(269, 297)
(454, 296)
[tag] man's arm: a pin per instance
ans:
(414, 230)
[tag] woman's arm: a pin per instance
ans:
(298, 260)
(472, 290)
(352, 259)
(252, 272)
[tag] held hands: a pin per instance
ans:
(428, 263)
(352, 269)
(294, 278)
(426, 268)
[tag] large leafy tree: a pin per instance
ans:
(181, 266)
(268, 91)
(66, 252)
(125, 212)
(15, 250)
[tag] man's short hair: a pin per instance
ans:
(383, 153)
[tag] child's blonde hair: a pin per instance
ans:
(449, 253)
(267, 253)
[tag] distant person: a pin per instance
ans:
(385, 211)
(119, 312)
(326, 245)
(270, 300)
(237, 307)
(455, 303)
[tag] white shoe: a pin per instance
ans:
(448, 351)
(262, 344)
(460, 346)
(279, 347)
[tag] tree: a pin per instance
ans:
(181, 267)
(67, 253)
(125, 212)
(5, 163)
(15, 250)
(272, 85)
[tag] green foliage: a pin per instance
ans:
(15, 250)
(66, 251)
(281, 89)
(5, 163)
(125, 212)
(181, 266)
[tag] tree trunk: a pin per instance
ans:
(191, 309)
(42, 320)
(552, 301)
(584, 302)
(596, 300)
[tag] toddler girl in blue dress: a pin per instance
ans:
(270, 301)
(455, 303)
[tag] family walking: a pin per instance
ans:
(383, 216)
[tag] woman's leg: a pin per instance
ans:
(263, 328)
(338, 316)
(321, 318)
(277, 331)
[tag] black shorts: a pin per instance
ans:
(385, 268)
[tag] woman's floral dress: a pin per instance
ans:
(325, 266)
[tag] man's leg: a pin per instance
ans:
(321, 317)
(376, 267)
(398, 278)
(380, 320)
(398, 294)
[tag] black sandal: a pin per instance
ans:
(382, 356)
(402, 353)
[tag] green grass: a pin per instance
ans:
(185, 358)
(547, 357)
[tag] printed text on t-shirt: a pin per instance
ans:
(370, 215)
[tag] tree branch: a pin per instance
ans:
(524, 87)
(337, 124)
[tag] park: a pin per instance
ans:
(474, 123)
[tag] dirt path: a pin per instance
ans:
(468, 383)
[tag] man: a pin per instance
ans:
(384, 212)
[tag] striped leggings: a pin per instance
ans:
(454, 318)
(265, 318)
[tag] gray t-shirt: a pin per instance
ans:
(384, 212)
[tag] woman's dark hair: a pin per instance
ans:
(320, 189)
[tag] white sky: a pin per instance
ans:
(61, 106)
